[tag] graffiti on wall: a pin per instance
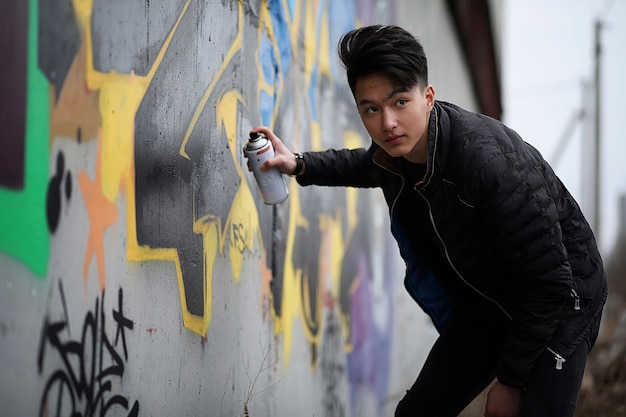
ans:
(14, 21)
(24, 125)
(191, 195)
(93, 364)
(169, 94)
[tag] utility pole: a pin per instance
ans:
(597, 130)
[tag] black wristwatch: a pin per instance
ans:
(299, 163)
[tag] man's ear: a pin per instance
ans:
(429, 95)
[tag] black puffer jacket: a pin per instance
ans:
(505, 238)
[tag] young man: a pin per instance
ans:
(497, 251)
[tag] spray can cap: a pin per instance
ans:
(255, 136)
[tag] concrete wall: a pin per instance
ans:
(140, 274)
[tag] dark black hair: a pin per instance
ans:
(389, 50)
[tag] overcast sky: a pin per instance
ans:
(548, 54)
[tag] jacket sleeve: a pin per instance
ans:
(339, 167)
(519, 213)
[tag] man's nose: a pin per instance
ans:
(389, 121)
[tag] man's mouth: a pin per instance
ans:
(392, 140)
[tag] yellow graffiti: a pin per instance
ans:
(296, 296)
(119, 98)
(236, 46)
(352, 139)
(243, 210)
(324, 52)
(316, 136)
(119, 103)
(292, 277)
(332, 251)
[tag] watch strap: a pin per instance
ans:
(299, 163)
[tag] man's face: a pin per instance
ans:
(395, 118)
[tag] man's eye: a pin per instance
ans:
(401, 102)
(371, 110)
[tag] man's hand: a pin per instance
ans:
(503, 401)
(283, 159)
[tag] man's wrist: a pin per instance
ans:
(299, 164)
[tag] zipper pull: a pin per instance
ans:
(576, 300)
(559, 361)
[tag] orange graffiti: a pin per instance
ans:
(77, 106)
(102, 214)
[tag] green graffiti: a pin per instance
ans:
(23, 226)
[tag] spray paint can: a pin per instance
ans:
(271, 183)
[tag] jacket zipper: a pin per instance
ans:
(445, 249)
(558, 358)
(395, 200)
(576, 300)
(424, 307)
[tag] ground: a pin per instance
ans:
(606, 396)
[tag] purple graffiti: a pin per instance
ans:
(369, 361)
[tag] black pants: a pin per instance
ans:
(463, 362)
